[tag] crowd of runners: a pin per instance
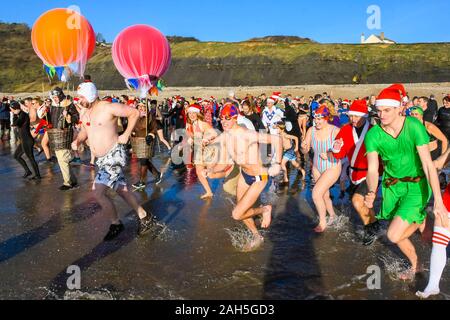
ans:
(387, 145)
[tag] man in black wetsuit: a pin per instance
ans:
(178, 116)
(22, 122)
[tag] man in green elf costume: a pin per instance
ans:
(402, 144)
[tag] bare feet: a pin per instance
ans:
(266, 216)
(409, 274)
(331, 219)
(141, 213)
(206, 196)
(320, 227)
(253, 244)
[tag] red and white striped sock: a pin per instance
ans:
(441, 238)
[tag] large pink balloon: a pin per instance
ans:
(141, 50)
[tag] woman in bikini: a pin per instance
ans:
(326, 169)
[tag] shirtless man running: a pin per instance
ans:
(242, 147)
(99, 125)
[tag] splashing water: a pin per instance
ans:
(158, 292)
(166, 234)
(241, 237)
(103, 294)
(394, 266)
(339, 223)
(98, 294)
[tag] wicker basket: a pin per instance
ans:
(141, 149)
(60, 139)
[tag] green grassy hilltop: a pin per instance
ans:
(257, 62)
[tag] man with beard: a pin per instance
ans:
(63, 115)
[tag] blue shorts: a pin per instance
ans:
(289, 155)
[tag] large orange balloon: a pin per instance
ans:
(61, 37)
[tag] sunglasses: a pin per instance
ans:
(318, 116)
(227, 118)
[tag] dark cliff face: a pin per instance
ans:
(263, 71)
(252, 63)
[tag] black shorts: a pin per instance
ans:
(437, 152)
(361, 188)
(5, 124)
(159, 125)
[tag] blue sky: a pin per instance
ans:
(326, 21)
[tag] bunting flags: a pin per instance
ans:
(50, 71)
(63, 73)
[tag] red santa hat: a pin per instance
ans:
(275, 97)
(346, 102)
(359, 108)
(195, 107)
(391, 96)
(199, 100)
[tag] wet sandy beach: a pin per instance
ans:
(44, 231)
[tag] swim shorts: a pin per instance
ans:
(110, 166)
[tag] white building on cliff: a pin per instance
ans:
(381, 39)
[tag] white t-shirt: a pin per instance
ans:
(269, 118)
(244, 122)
